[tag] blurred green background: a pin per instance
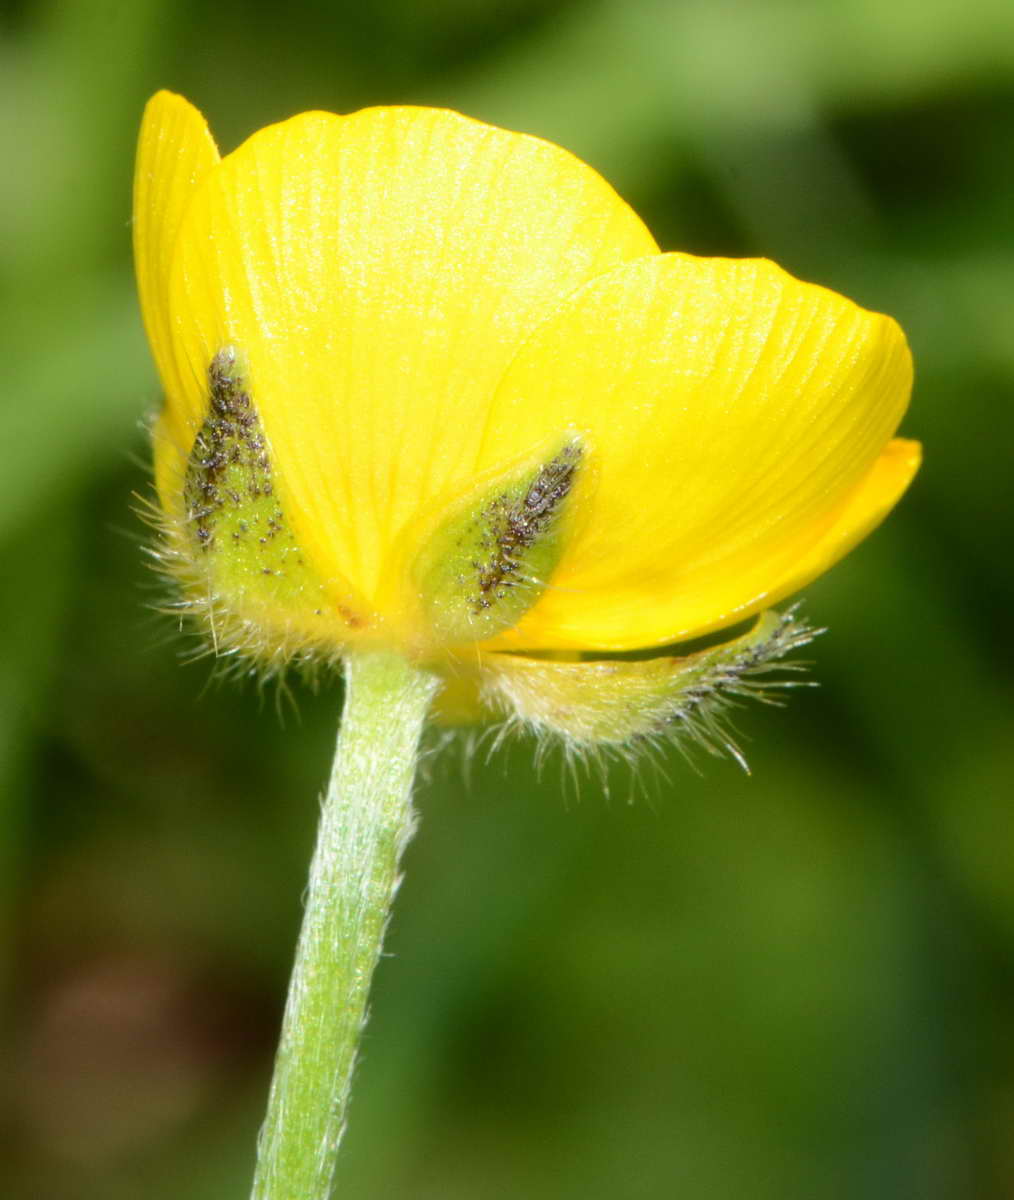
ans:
(798, 984)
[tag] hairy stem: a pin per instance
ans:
(366, 822)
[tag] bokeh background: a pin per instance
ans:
(798, 984)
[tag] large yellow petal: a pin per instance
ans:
(378, 272)
(863, 511)
(732, 417)
(174, 152)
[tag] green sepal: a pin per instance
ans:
(490, 560)
(619, 702)
(260, 592)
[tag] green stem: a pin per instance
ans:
(366, 822)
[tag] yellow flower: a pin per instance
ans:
(432, 385)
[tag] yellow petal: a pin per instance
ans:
(174, 152)
(730, 414)
(863, 511)
(378, 272)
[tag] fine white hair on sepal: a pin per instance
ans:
(696, 713)
(224, 539)
(239, 650)
(703, 716)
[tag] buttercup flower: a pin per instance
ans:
(437, 406)
(433, 386)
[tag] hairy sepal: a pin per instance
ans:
(491, 558)
(228, 544)
(619, 704)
